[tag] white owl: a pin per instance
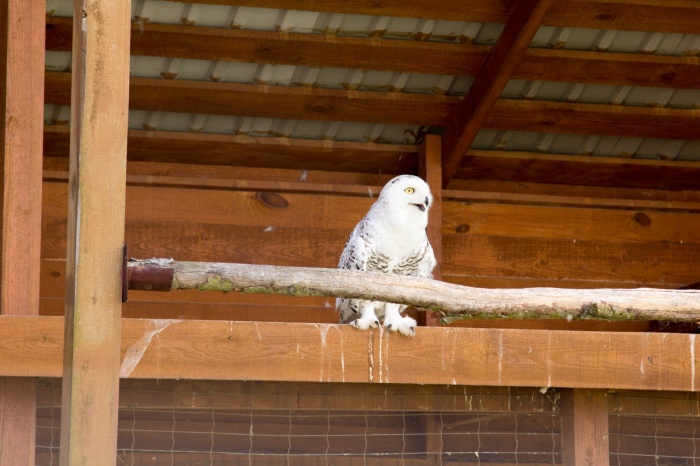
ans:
(391, 238)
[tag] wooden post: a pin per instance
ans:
(430, 168)
(584, 427)
(22, 77)
(97, 187)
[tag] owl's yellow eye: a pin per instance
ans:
(409, 190)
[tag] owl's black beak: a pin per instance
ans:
(424, 206)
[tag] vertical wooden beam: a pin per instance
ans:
(22, 76)
(584, 427)
(430, 169)
(523, 22)
(97, 186)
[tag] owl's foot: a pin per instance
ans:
(365, 322)
(397, 323)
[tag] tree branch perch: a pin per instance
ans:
(454, 302)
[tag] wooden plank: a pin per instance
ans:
(99, 110)
(587, 261)
(226, 350)
(527, 167)
(302, 396)
(523, 22)
(250, 151)
(571, 223)
(21, 105)
(257, 100)
(584, 425)
(633, 15)
(389, 107)
(327, 50)
(155, 174)
(591, 261)
(562, 117)
(239, 208)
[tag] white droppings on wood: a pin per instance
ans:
(370, 350)
(692, 362)
(500, 357)
(549, 360)
(136, 351)
(381, 334)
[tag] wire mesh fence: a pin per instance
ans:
(273, 423)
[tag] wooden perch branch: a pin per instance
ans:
(455, 302)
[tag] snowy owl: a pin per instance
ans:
(391, 238)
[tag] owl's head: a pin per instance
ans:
(407, 191)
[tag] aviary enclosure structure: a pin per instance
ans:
(561, 142)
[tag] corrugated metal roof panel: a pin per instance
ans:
(157, 11)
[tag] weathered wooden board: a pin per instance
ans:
(580, 170)
(226, 350)
(601, 247)
(21, 106)
(268, 101)
(95, 231)
(455, 58)
(250, 151)
(631, 15)
(584, 428)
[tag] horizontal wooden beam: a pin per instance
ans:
(226, 350)
(577, 170)
(238, 45)
(250, 151)
(633, 15)
(398, 108)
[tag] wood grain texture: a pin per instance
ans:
(584, 425)
(95, 237)
(226, 350)
(21, 105)
(523, 22)
(462, 58)
(580, 170)
(305, 103)
(529, 245)
(639, 264)
(633, 15)
(248, 151)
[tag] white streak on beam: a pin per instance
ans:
(136, 351)
(692, 362)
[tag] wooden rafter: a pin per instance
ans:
(226, 350)
(400, 108)
(522, 24)
(632, 15)
(237, 45)
(241, 150)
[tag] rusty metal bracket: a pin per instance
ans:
(150, 275)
